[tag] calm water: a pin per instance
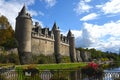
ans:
(112, 73)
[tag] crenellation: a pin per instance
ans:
(47, 36)
(64, 39)
(43, 37)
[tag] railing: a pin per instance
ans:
(113, 75)
(55, 75)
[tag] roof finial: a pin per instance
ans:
(24, 4)
(23, 10)
(55, 26)
(70, 33)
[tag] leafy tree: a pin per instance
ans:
(10, 58)
(7, 39)
(13, 58)
(104, 56)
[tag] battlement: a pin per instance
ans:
(42, 36)
(64, 39)
(45, 33)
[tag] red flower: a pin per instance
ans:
(92, 69)
(93, 65)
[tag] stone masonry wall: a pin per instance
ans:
(64, 49)
(41, 45)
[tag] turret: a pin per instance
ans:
(23, 36)
(56, 33)
(71, 46)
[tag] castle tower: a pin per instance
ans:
(71, 46)
(56, 33)
(23, 36)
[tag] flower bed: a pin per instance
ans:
(92, 70)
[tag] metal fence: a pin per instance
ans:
(54, 75)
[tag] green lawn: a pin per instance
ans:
(6, 65)
(53, 66)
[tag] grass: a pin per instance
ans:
(53, 66)
(42, 67)
(6, 65)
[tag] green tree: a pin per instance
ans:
(7, 39)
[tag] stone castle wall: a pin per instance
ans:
(64, 49)
(45, 45)
(42, 45)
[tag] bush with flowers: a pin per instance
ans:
(92, 70)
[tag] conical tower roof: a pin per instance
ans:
(55, 26)
(70, 33)
(23, 13)
(23, 10)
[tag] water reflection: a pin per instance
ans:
(71, 75)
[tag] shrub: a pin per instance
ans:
(43, 59)
(92, 69)
(10, 58)
(13, 58)
(31, 69)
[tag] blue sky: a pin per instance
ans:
(94, 23)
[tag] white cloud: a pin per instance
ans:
(82, 6)
(50, 3)
(41, 13)
(90, 16)
(110, 7)
(40, 22)
(11, 8)
(10, 13)
(76, 33)
(87, 0)
(103, 37)
(33, 13)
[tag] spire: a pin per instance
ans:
(55, 26)
(23, 10)
(23, 13)
(70, 33)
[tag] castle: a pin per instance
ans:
(34, 40)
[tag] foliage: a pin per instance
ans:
(65, 59)
(13, 58)
(10, 43)
(48, 59)
(2, 77)
(10, 58)
(30, 69)
(58, 75)
(7, 39)
(43, 59)
(99, 55)
(92, 69)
